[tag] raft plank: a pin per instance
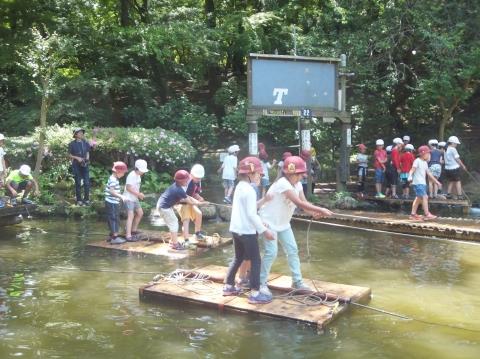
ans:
(210, 294)
(156, 243)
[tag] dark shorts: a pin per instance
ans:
(453, 175)
(391, 177)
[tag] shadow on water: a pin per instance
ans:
(47, 312)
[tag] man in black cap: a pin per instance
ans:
(79, 153)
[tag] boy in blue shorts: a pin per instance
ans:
(380, 156)
(418, 176)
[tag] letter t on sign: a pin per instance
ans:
(278, 92)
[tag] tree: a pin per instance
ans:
(43, 59)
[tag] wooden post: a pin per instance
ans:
(343, 170)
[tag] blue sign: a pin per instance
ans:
(286, 83)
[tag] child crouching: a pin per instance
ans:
(245, 225)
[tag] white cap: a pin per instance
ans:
(389, 148)
(409, 147)
(406, 138)
(197, 171)
(397, 140)
(379, 142)
(233, 148)
(2, 137)
(442, 144)
(454, 139)
(141, 165)
(25, 170)
(432, 142)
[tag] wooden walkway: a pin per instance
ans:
(209, 293)
(156, 243)
(442, 227)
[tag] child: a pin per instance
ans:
(112, 201)
(435, 166)
(452, 168)
(406, 140)
(229, 172)
(406, 162)
(245, 225)
(3, 167)
(21, 180)
(417, 176)
(173, 195)
(133, 196)
(285, 155)
(286, 194)
(266, 166)
(306, 156)
(190, 212)
(380, 156)
(362, 163)
(391, 175)
(397, 150)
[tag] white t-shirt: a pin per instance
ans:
(450, 158)
(2, 153)
(244, 218)
(420, 174)
(278, 212)
(362, 159)
(134, 180)
(266, 166)
(229, 166)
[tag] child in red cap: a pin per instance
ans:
(113, 197)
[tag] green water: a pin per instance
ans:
(50, 313)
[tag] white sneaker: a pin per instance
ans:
(264, 289)
(301, 286)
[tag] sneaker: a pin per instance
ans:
(26, 201)
(131, 239)
(260, 298)
(265, 290)
(430, 217)
(13, 201)
(229, 290)
(200, 236)
(301, 286)
(395, 197)
(415, 217)
(80, 203)
(244, 283)
(86, 203)
(177, 246)
(448, 196)
(379, 195)
(117, 240)
(227, 200)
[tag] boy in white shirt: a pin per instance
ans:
(418, 176)
(133, 196)
(229, 172)
(452, 167)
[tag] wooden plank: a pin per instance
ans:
(209, 293)
(156, 243)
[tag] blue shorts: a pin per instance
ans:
(420, 190)
(379, 176)
(228, 183)
(265, 182)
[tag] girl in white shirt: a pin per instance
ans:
(286, 194)
(245, 225)
(453, 163)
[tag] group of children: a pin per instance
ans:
(397, 164)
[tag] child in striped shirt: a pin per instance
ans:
(112, 201)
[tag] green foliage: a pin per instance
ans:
(153, 182)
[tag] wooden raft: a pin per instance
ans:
(210, 295)
(156, 243)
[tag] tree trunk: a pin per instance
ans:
(125, 12)
(41, 141)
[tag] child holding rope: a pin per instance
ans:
(418, 175)
(286, 194)
(245, 225)
(133, 196)
(112, 201)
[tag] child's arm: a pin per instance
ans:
(264, 200)
(410, 174)
(114, 193)
(191, 200)
(459, 161)
(301, 202)
(130, 189)
(254, 218)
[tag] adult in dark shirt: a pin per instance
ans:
(79, 153)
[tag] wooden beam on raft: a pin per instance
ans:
(205, 288)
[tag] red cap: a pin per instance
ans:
(250, 165)
(294, 164)
(261, 147)
(263, 155)
(286, 155)
(181, 175)
(423, 149)
(361, 146)
(305, 154)
(119, 166)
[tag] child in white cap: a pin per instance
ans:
(133, 196)
(453, 163)
(21, 180)
(229, 172)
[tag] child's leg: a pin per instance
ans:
(128, 224)
(425, 204)
(415, 204)
(450, 187)
(137, 218)
(171, 221)
(244, 269)
(116, 225)
(185, 228)
(252, 254)
(269, 255)
(237, 261)
(225, 186)
(198, 218)
(458, 187)
(230, 191)
(110, 217)
(289, 246)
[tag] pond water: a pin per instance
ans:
(47, 312)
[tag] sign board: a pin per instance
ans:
(292, 83)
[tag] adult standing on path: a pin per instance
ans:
(79, 153)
